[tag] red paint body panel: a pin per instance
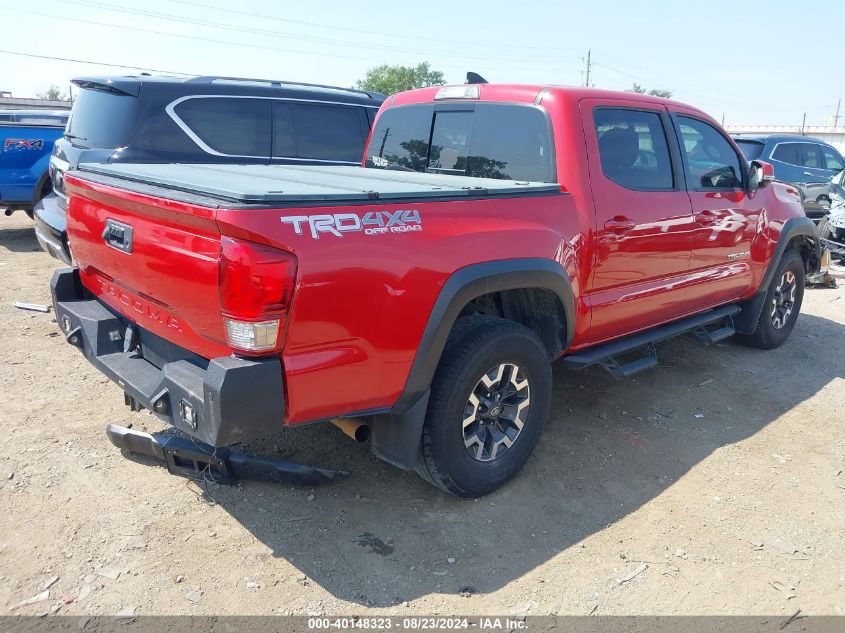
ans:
(361, 302)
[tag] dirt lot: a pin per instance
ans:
(719, 477)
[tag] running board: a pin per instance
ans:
(709, 327)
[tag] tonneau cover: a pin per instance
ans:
(267, 184)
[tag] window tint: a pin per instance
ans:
(787, 153)
(811, 155)
(450, 142)
(633, 148)
(709, 159)
(750, 149)
(488, 141)
(832, 160)
(328, 132)
(283, 145)
(400, 138)
(510, 143)
(102, 119)
(236, 127)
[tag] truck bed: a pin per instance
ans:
(285, 185)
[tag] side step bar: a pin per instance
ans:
(195, 460)
(709, 327)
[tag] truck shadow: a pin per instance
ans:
(382, 536)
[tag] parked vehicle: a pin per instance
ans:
(805, 162)
(832, 226)
(235, 301)
(26, 140)
(147, 119)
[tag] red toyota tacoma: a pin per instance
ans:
(491, 230)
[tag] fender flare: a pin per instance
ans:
(746, 321)
(39, 185)
(396, 435)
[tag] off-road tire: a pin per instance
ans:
(476, 344)
(767, 336)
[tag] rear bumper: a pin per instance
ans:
(51, 228)
(220, 401)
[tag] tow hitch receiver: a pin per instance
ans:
(195, 460)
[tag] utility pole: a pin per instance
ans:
(589, 64)
(803, 123)
(836, 116)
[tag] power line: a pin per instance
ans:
(85, 61)
(276, 34)
(346, 29)
(211, 40)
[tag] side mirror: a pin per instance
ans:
(760, 174)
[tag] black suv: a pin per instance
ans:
(147, 119)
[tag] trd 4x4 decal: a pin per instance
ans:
(371, 223)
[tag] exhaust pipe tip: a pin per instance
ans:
(9, 212)
(357, 430)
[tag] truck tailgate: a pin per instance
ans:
(154, 260)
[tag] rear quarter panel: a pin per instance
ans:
(362, 301)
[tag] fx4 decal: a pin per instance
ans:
(372, 223)
(23, 143)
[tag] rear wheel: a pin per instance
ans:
(489, 401)
(782, 304)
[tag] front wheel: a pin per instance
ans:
(489, 401)
(782, 304)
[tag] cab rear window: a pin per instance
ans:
(501, 141)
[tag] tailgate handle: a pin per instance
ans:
(118, 235)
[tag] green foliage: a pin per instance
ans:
(388, 79)
(53, 93)
(654, 92)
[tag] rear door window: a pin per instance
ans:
(232, 127)
(633, 148)
(787, 153)
(709, 159)
(326, 132)
(811, 156)
(832, 160)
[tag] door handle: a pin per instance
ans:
(707, 217)
(619, 224)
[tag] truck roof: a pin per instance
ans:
(290, 184)
(131, 85)
(528, 93)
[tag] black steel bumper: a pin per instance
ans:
(187, 458)
(220, 401)
(51, 228)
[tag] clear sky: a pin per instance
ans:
(763, 62)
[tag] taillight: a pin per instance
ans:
(256, 288)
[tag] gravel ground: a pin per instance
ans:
(714, 484)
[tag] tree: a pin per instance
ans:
(53, 93)
(654, 92)
(388, 79)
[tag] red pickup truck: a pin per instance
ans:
(491, 230)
